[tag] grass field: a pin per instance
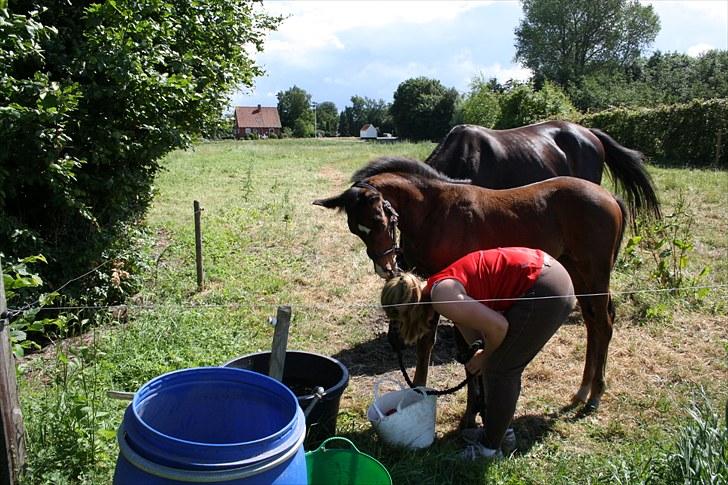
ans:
(265, 245)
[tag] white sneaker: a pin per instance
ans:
(475, 436)
(476, 451)
(508, 445)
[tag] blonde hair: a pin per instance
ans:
(402, 301)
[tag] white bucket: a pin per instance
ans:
(405, 417)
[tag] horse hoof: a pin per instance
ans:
(592, 406)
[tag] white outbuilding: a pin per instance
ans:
(368, 132)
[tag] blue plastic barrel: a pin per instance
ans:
(212, 425)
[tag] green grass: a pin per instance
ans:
(265, 245)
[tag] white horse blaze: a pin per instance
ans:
(364, 229)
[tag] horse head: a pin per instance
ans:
(371, 217)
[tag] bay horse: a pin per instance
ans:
(501, 159)
(441, 219)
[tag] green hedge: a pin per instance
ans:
(692, 134)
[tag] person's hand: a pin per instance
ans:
(475, 364)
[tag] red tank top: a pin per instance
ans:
(494, 273)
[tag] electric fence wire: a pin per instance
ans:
(13, 312)
(318, 306)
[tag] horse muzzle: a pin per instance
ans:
(391, 267)
(386, 273)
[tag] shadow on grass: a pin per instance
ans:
(440, 463)
(435, 465)
(533, 428)
(375, 356)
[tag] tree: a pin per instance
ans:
(345, 128)
(93, 95)
(711, 68)
(563, 40)
(364, 110)
(422, 109)
(663, 78)
(327, 118)
(295, 104)
(377, 113)
(522, 105)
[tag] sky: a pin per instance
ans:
(337, 49)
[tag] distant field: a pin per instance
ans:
(265, 245)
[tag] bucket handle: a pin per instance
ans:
(351, 445)
(318, 394)
(382, 381)
(418, 390)
(377, 394)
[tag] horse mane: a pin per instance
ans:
(401, 165)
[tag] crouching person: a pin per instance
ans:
(514, 299)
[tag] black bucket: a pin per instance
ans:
(303, 372)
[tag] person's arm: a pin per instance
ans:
(470, 314)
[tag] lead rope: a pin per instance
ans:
(478, 344)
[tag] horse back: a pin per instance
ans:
(564, 216)
(501, 159)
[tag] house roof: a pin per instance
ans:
(257, 117)
(365, 127)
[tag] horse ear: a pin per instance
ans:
(335, 202)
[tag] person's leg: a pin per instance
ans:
(532, 322)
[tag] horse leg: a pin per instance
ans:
(424, 351)
(598, 312)
(604, 337)
(475, 402)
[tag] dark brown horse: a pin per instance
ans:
(441, 219)
(501, 159)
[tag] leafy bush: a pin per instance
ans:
(70, 436)
(92, 97)
(481, 107)
(18, 280)
(693, 134)
(522, 105)
(664, 248)
(702, 447)
(698, 456)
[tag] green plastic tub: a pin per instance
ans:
(344, 466)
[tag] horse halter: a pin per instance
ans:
(391, 226)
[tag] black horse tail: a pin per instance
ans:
(630, 176)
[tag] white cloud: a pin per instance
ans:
(313, 26)
(697, 49)
(710, 10)
(716, 10)
(514, 71)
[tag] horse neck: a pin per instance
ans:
(411, 201)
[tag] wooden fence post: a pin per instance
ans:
(718, 146)
(12, 431)
(198, 246)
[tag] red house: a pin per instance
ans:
(261, 120)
